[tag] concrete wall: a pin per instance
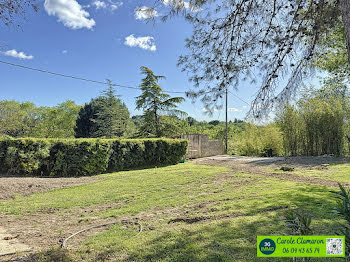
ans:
(200, 146)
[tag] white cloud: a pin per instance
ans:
(110, 5)
(210, 110)
(144, 42)
(145, 12)
(180, 4)
(114, 6)
(16, 54)
(70, 13)
(233, 109)
(230, 109)
(64, 52)
(99, 4)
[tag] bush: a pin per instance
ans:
(79, 157)
(24, 156)
(82, 157)
(257, 141)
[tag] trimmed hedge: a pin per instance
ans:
(83, 157)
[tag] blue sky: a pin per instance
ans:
(98, 40)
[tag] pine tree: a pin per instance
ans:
(155, 102)
(271, 43)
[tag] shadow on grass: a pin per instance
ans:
(107, 172)
(214, 243)
(315, 199)
(51, 255)
(230, 239)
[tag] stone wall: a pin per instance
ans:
(200, 146)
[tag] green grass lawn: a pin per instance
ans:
(188, 212)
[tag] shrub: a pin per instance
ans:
(24, 156)
(257, 141)
(79, 157)
(82, 157)
(127, 154)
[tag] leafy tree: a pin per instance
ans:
(214, 122)
(191, 121)
(105, 116)
(172, 126)
(272, 42)
(17, 119)
(154, 102)
(25, 119)
(331, 55)
(56, 122)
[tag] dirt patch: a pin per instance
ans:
(313, 162)
(10, 186)
(253, 166)
(48, 228)
(302, 179)
(300, 162)
(10, 244)
(191, 220)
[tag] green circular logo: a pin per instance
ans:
(267, 246)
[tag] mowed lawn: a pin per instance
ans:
(188, 212)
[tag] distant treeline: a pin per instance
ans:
(108, 117)
(316, 124)
(61, 121)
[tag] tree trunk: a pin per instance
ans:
(345, 9)
(156, 118)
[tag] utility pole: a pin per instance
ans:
(226, 131)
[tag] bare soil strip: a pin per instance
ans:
(19, 235)
(10, 243)
(302, 179)
(11, 186)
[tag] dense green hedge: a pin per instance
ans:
(80, 157)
